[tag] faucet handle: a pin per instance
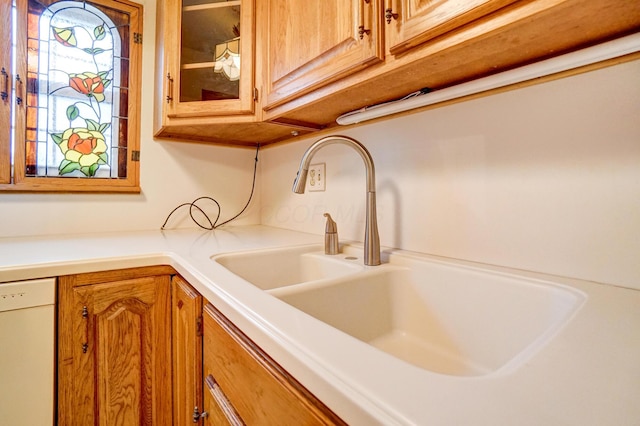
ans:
(330, 236)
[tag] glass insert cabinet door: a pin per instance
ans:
(211, 73)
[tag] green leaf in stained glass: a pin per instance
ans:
(66, 36)
(72, 112)
(67, 167)
(93, 50)
(93, 169)
(104, 158)
(103, 127)
(57, 138)
(99, 32)
(92, 125)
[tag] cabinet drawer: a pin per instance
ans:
(260, 391)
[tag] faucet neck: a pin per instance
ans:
(305, 162)
(371, 238)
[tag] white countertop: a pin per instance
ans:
(588, 374)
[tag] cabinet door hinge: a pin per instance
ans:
(199, 327)
(137, 38)
(135, 155)
(255, 94)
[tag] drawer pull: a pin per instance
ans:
(19, 90)
(361, 28)
(223, 402)
(85, 316)
(5, 87)
(169, 88)
(388, 11)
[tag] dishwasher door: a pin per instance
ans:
(27, 352)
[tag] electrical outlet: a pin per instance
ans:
(316, 177)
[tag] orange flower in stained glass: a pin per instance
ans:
(89, 84)
(66, 36)
(83, 149)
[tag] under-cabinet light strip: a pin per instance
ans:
(591, 55)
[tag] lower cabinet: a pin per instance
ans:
(142, 347)
(186, 342)
(114, 348)
(245, 386)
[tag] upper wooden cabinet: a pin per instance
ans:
(438, 44)
(206, 80)
(209, 65)
(311, 61)
(314, 42)
(412, 22)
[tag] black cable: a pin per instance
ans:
(213, 225)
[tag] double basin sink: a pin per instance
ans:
(440, 316)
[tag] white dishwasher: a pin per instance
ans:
(27, 319)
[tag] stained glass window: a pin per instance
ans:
(76, 86)
(75, 71)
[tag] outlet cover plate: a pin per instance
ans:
(316, 178)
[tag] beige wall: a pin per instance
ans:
(545, 178)
(171, 173)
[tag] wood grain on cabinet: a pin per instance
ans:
(315, 42)
(413, 22)
(5, 88)
(235, 122)
(114, 348)
(514, 35)
(180, 51)
(259, 390)
(186, 343)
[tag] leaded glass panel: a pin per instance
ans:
(77, 83)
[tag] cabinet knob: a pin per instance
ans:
(389, 14)
(197, 415)
(5, 87)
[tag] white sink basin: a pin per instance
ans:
(448, 319)
(281, 267)
(439, 316)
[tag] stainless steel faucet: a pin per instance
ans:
(371, 238)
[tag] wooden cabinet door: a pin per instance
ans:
(209, 50)
(5, 91)
(314, 42)
(114, 351)
(247, 386)
(186, 345)
(411, 22)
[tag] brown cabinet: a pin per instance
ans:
(136, 346)
(207, 88)
(438, 44)
(186, 343)
(245, 386)
(208, 65)
(314, 60)
(114, 348)
(412, 22)
(314, 42)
